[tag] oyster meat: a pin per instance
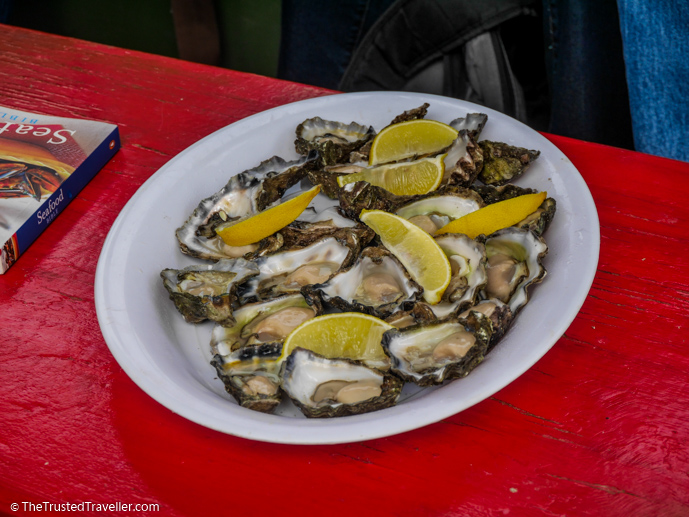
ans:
(468, 265)
(376, 284)
(252, 375)
(431, 354)
(263, 322)
(322, 387)
(288, 270)
(207, 291)
(514, 264)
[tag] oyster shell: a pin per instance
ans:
(468, 263)
(419, 314)
(263, 322)
(499, 315)
(252, 375)
(463, 161)
(431, 354)
(376, 284)
(333, 140)
(327, 176)
(412, 114)
(288, 270)
(514, 263)
(246, 193)
(473, 123)
(503, 163)
(207, 291)
(322, 387)
(432, 211)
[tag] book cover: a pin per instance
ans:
(44, 162)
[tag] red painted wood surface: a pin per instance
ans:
(599, 426)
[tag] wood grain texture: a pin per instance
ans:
(599, 426)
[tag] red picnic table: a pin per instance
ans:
(598, 426)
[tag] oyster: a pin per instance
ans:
(433, 353)
(376, 284)
(463, 161)
(499, 315)
(514, 263)
(503, 163)
(207, 291)
(468, 264)
(430, 212)
(252, 375)
(333, 140)
(419, 314)
(473, 123)
(263, 322)
(246, 193)
(412, 114)
(288, 270)
(322, 387)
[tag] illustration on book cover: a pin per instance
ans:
(38, 155)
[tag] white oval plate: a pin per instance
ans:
(169, 359)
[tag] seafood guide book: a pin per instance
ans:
(44, 162)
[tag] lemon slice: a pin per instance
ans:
(416, 250)
(350, 335)
(495, 217)
(263, 224)
(403, 179)
(408, 139)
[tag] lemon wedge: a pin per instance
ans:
(403, 179)
(263, 224)
(415, 249)
(409, 139)
(497, 216)
(349, 335)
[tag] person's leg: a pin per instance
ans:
(586, 71)
(655, 34)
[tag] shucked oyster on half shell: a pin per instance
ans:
(207, 291)
(468, 266)
(246, 193)
(431, 354)
(322, 387)
(251, 374)
(499, 314)
(263, 322)
(503, 162)
(377, 284)
(333, 140)
(514, 264)
(288, 270)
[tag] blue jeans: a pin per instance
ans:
(656, 53)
